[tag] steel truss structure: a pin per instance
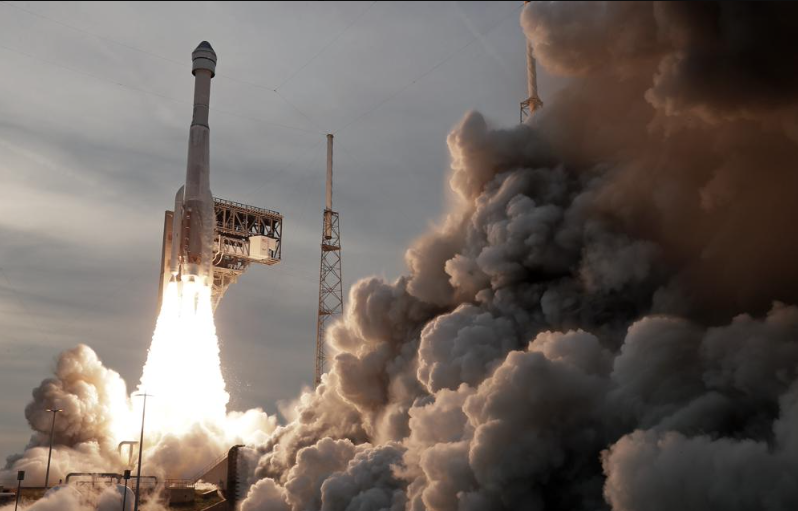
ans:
(331, 296)
(236, 223)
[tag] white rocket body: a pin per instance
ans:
(193, 222)
(532, 102)
(531, 72)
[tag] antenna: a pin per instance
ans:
(331, 297)
(532, 102)
(328, 195)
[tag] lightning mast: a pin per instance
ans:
(532, 102)
(331, 297)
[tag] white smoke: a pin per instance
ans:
(570, 336)
(68, 498)
(602, 321)
(187, 423)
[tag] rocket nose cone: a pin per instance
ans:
(204, 58)
(205, 45)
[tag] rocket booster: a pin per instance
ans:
(191, 256)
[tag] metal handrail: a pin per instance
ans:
(93, 475)
(209, 466)
(178, 483)
(242, 206)
(105, 475)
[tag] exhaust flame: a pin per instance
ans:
(183, 370)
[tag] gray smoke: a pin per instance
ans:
(96, 411)
(94, 400)
(91, 396)
(603, 320)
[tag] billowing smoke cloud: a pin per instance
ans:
(97, 415)
(95, 408)
(603, 320)
(68, 498)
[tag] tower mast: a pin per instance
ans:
(532, 102)
(331, 297)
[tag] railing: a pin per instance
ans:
(209, 466)
(178, 483)
(247, 207)
(95, 478)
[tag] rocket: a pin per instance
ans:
(209, 242)
(192, 229)
(532, 102)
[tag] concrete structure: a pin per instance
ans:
(219, 506)
(224, 472)
(217, 474)
(207, 239)
(180, 495)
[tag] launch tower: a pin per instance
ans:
(331, 297)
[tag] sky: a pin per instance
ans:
(95, 105)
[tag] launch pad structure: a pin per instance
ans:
(331, 296)
(242, 235)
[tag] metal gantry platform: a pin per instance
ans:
(243, 235)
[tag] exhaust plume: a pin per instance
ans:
(187, 423)
(604, 320)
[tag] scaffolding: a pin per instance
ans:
(239, 233)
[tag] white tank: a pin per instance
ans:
(63, 488)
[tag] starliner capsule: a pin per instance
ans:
(193, 221)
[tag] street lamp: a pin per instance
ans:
(20, 477)
(141, 446)
(124, 495)
(54, 411)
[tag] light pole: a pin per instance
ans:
(20, 477)
(141, 447)
(124, 495)
(54, 411)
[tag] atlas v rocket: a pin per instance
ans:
(191, 257)
(207, 240)
(533, 102)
